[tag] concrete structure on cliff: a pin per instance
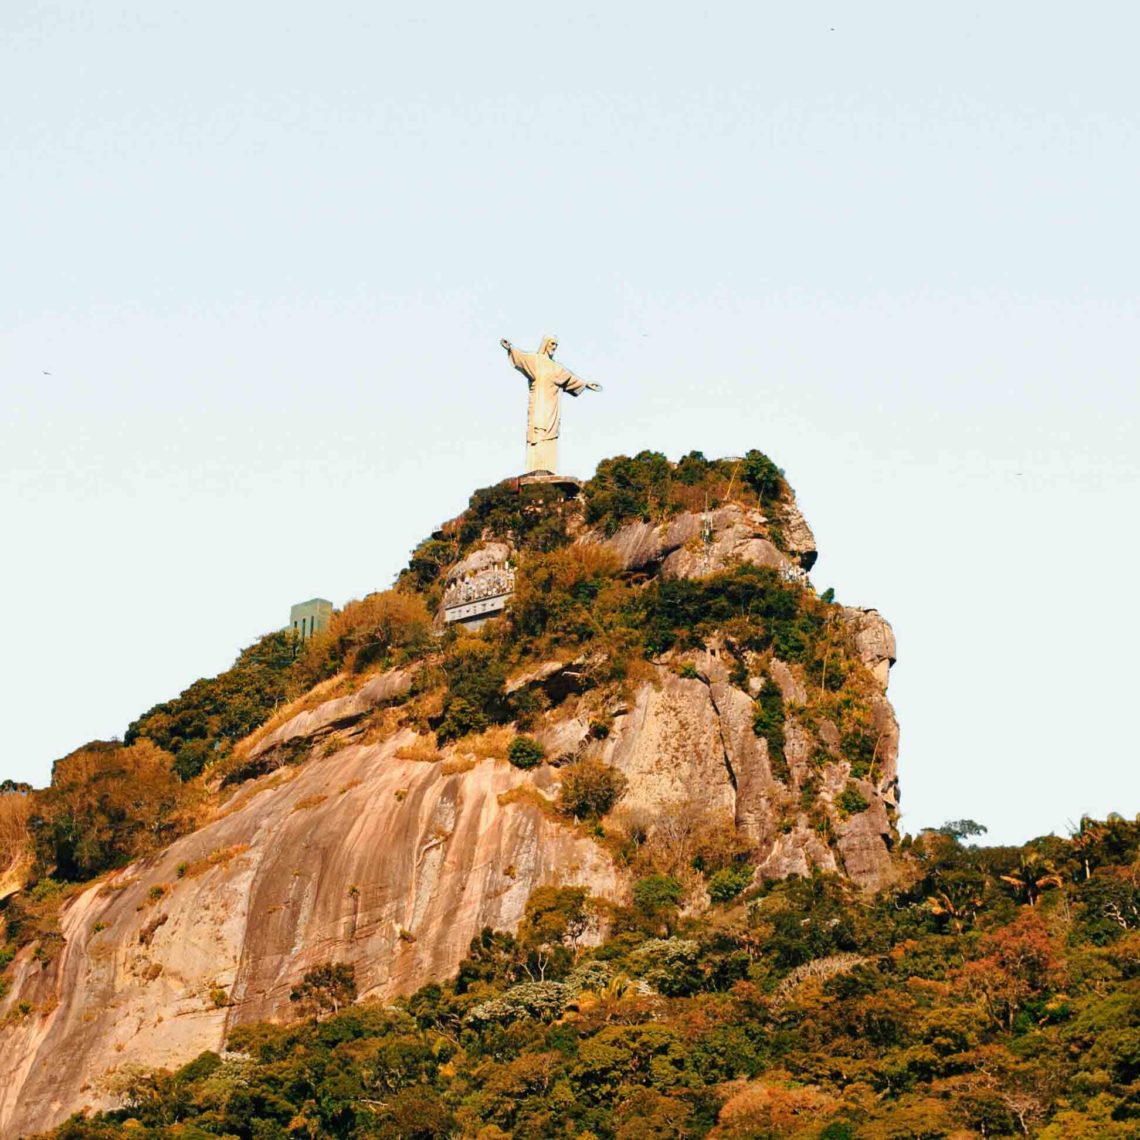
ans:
(307, 618)
(546, 381)
(479, 587)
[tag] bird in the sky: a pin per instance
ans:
(47, 373)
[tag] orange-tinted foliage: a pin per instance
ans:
(771, 1110)
(14, 810)
(364, 633)
(107, 804)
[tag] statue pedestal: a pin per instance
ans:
(567, 484)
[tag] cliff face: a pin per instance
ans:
(364, 843)
(692, 545)
(687, 741)
(691, 741)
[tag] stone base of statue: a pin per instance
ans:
(567, 484)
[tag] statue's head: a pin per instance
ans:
(549, 344)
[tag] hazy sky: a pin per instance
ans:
(258, 257)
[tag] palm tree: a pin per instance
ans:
(1089, 835)
(608, 997)
(1032, 876)
(960, 913)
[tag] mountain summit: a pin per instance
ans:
(657, 695)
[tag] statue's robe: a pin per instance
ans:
(547, 380)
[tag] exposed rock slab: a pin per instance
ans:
(864, 840)
(692, 545)
(874, 641)
(790, 686)
(798, 538)
(669, 748)
(796, 852)
(488, 555)
(310, 724)
(361, 857)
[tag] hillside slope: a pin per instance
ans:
(675, 658)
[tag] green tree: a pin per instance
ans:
(554, 922)
(959, 829)
(625, 489)
(475, 697)
(768, 722)
(525, 752)
(763, 476)
(728, 882)
(657, 899)
(201, 723)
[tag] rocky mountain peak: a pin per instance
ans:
(664, 693)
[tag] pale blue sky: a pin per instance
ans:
(267, 251)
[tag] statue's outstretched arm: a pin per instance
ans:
(574, 385)
(523, 361)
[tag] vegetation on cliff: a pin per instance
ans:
(995, 992)
(649, 488)
(107, 804)
(199, 727)
(112, 802)
(213, 712)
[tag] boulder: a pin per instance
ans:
(692, 545)
(874, 641)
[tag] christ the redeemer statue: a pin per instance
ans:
(547, 380)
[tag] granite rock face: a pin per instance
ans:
(668, 744)
(692, 545)
(798, 538)
(874, 641)
(689, 742)
(669, 748)
(14, 877)
(339, 714)
(488, 555)
(361, 857)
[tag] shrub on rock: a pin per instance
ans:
(590, 789)
(525, 752)
(728, 882)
